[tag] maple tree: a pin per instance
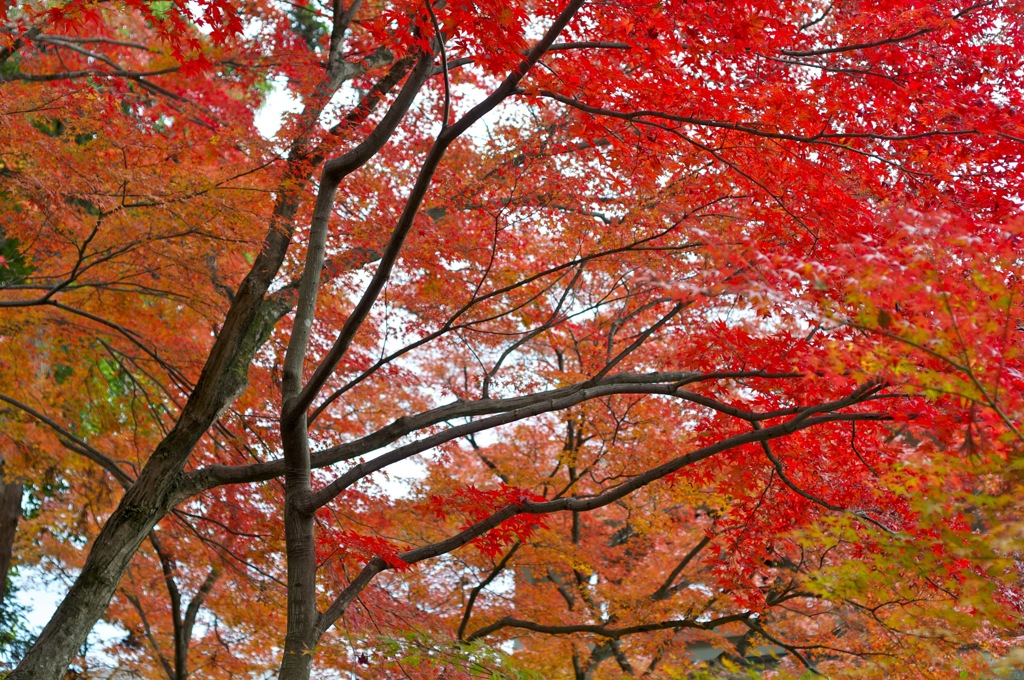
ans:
(702, 322)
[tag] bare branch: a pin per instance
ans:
(295, 406)
(473, 594)
(603, 630)
(668, 588)
(74, 443)
(512, 409)
(587, 503)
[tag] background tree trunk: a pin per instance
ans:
(10, 513)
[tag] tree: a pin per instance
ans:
(702, 320)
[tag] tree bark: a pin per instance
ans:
(10, 513)
(302, 633)
(223, 379)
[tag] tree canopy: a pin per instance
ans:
(544, 339)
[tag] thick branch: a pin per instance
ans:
(524, 406)
(192, 611)
(604, 631)
(588, 503)
(333, 172)
(412, 206)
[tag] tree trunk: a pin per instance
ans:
(10, 513)
(223, 379)
(140, 509)
(302, 634)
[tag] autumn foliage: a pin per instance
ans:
(542, 339)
